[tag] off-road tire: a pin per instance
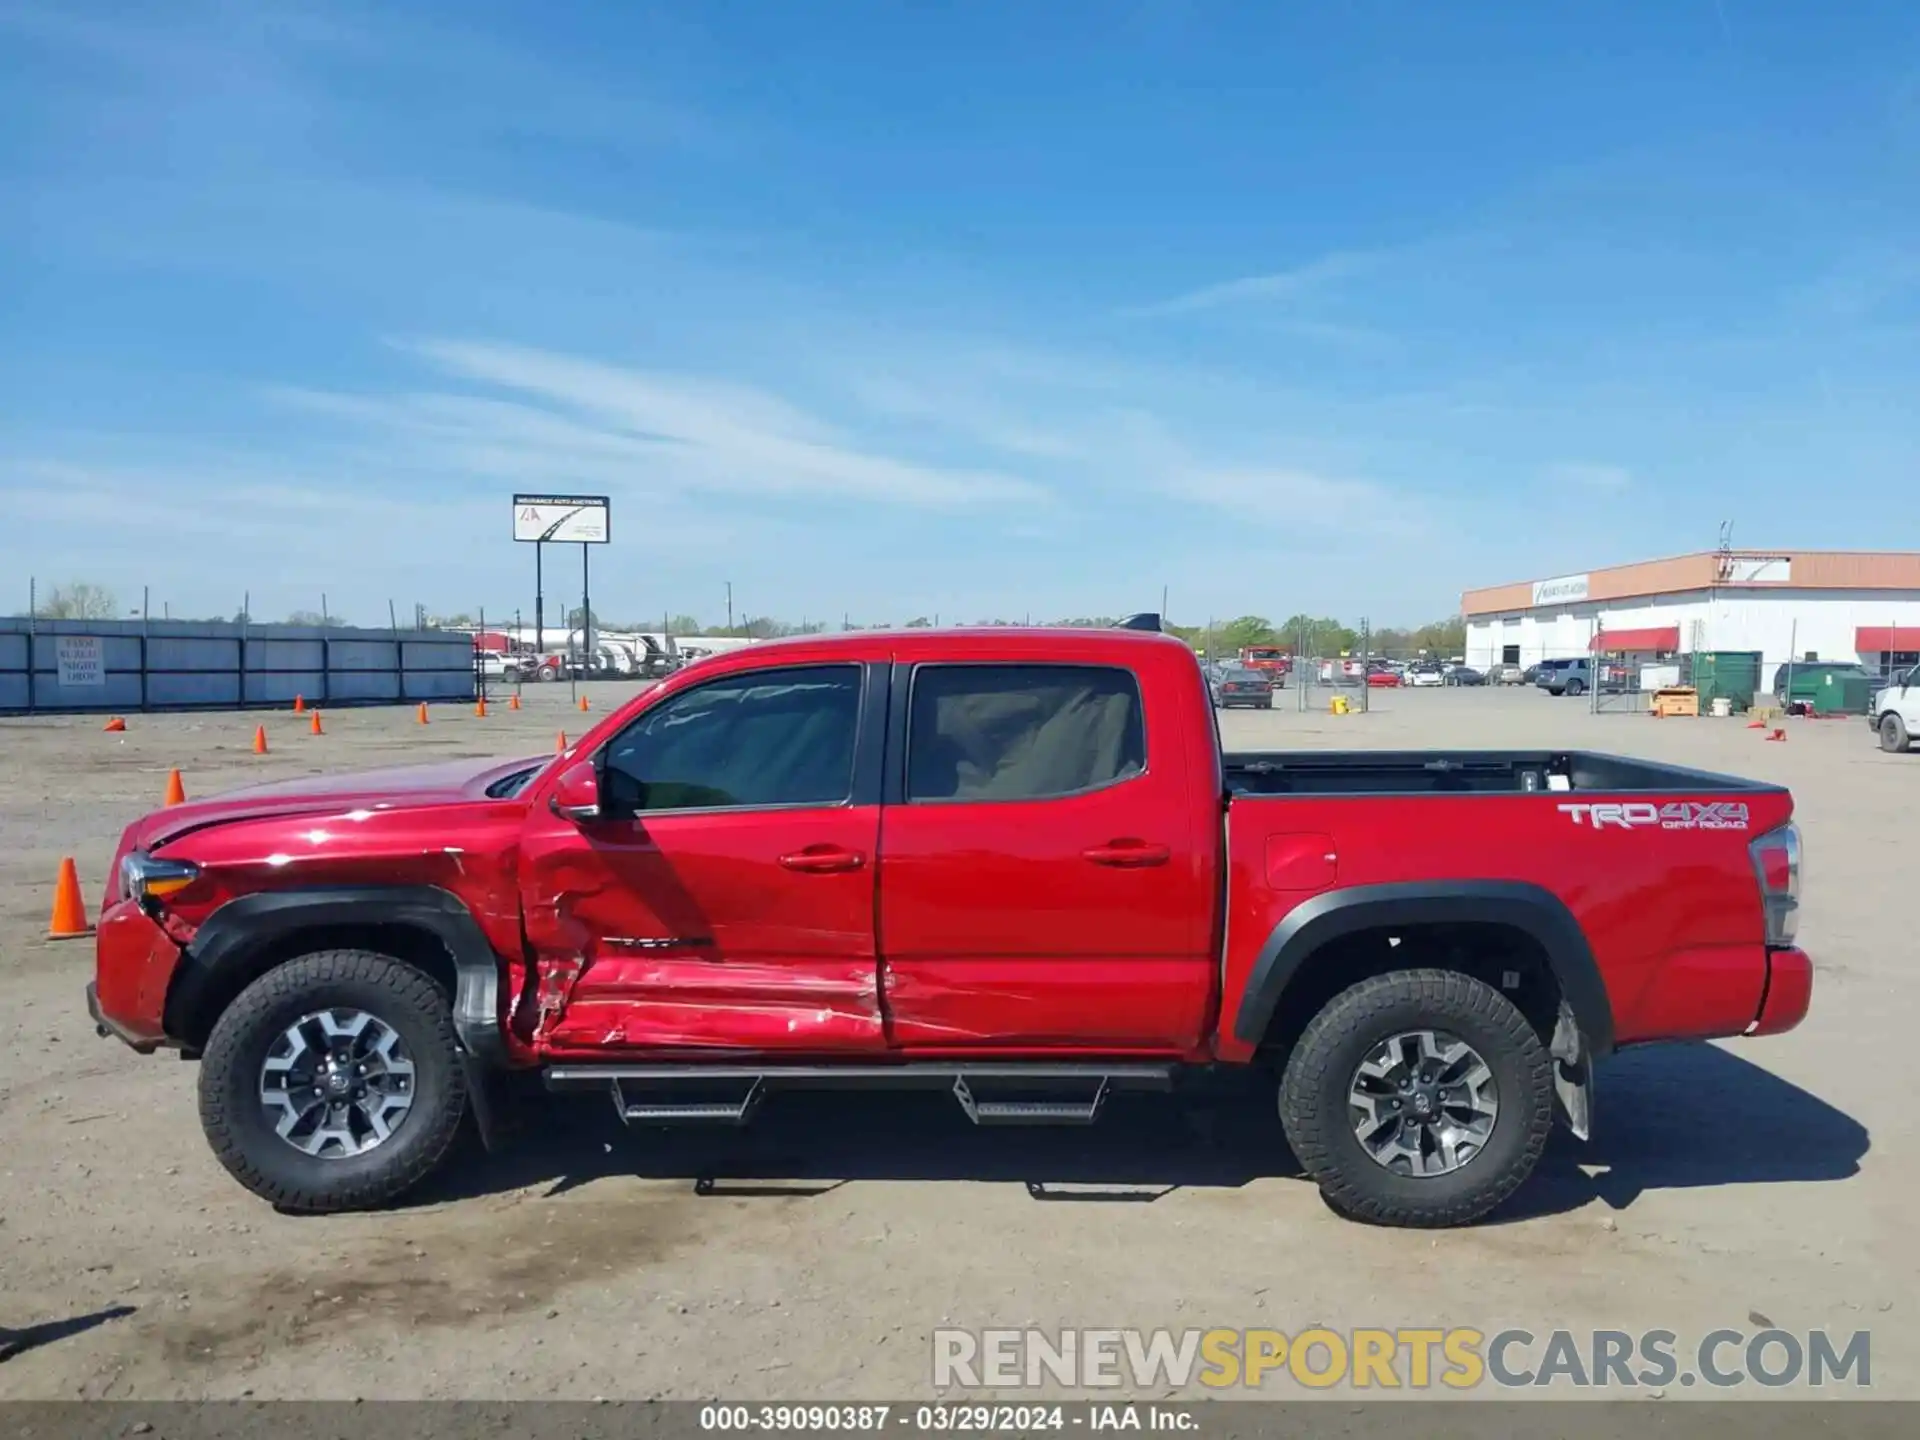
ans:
(405, 999)
(1314, 1104)
(1893, 734)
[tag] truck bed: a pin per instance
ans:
(1426, 772)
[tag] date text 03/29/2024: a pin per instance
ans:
(946, 1419)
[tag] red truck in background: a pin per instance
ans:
(1274, 663)
(1010, 864)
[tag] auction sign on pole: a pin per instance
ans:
(564, 519)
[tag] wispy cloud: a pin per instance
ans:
(563, 417)
(1587, 476)
(1278, 286)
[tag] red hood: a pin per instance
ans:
(402, 787)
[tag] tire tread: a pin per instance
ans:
(361, 1191)
(1439, 994)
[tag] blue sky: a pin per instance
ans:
(982, 309)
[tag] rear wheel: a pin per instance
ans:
(1575, 687)
(1893, 734)
(334, 1082)
(1418, 1098)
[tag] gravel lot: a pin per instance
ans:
(810, 1255)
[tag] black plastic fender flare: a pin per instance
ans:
(1529, 908)
(239, 928)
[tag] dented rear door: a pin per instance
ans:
(726, 900)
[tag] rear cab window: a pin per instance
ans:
(1009, 732)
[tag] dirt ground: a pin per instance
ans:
(810, 1255)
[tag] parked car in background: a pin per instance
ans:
(1577, 677)
(1235, 684)
(1546, 670)
(1508, 675)
(1383, 679)
(1275, 664)
(1421, 676)
(492, 665)
(1895, 712)
(1463, 675)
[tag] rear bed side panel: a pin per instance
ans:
(1671, 916)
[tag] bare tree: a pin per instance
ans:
(79, 601)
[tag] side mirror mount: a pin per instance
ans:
(577, 796)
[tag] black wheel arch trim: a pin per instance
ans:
(240, 927)
(1332, 914)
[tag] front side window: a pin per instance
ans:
(1022, 732)
(762, 738)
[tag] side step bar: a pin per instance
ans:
(685, 1094)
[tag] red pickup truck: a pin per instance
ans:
(1010, 864)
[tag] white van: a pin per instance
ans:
(1895, 712)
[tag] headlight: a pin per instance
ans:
(142, 877)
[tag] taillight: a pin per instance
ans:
(1776, 861)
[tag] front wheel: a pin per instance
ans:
(1893, 734)
(334, 1082)
(1418, 1098)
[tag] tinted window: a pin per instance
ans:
(1021, 732)
(767, 737)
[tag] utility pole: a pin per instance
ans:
(729, 607)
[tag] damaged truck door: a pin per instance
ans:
(723, 892)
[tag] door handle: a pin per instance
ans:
(823, 860)
(1128, 854)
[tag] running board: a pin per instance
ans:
(661, 1111)
(1029, 1112)
(644, 1094)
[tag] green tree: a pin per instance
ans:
(313, 617)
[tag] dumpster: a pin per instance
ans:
(1824, 688)
(1732, 675)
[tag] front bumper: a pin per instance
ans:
(1789, 992)
(105, 1026)
(134, 961)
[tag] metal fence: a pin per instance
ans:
(66, 666)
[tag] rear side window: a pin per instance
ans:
(1022, 732)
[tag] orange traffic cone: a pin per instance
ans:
(114, 725)
(423, 712)
(259, 739)
(299, 704)
(1777, 735)
(583, 703)
(480, 707)
(69, 920)
(176, 792)
(560, 744)
(513, 701)
(1756, 725)
(314, 728)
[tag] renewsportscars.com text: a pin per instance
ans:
(1409, 1358)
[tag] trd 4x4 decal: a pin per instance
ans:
(1676, 815)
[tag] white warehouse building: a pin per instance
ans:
(1799, 604)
